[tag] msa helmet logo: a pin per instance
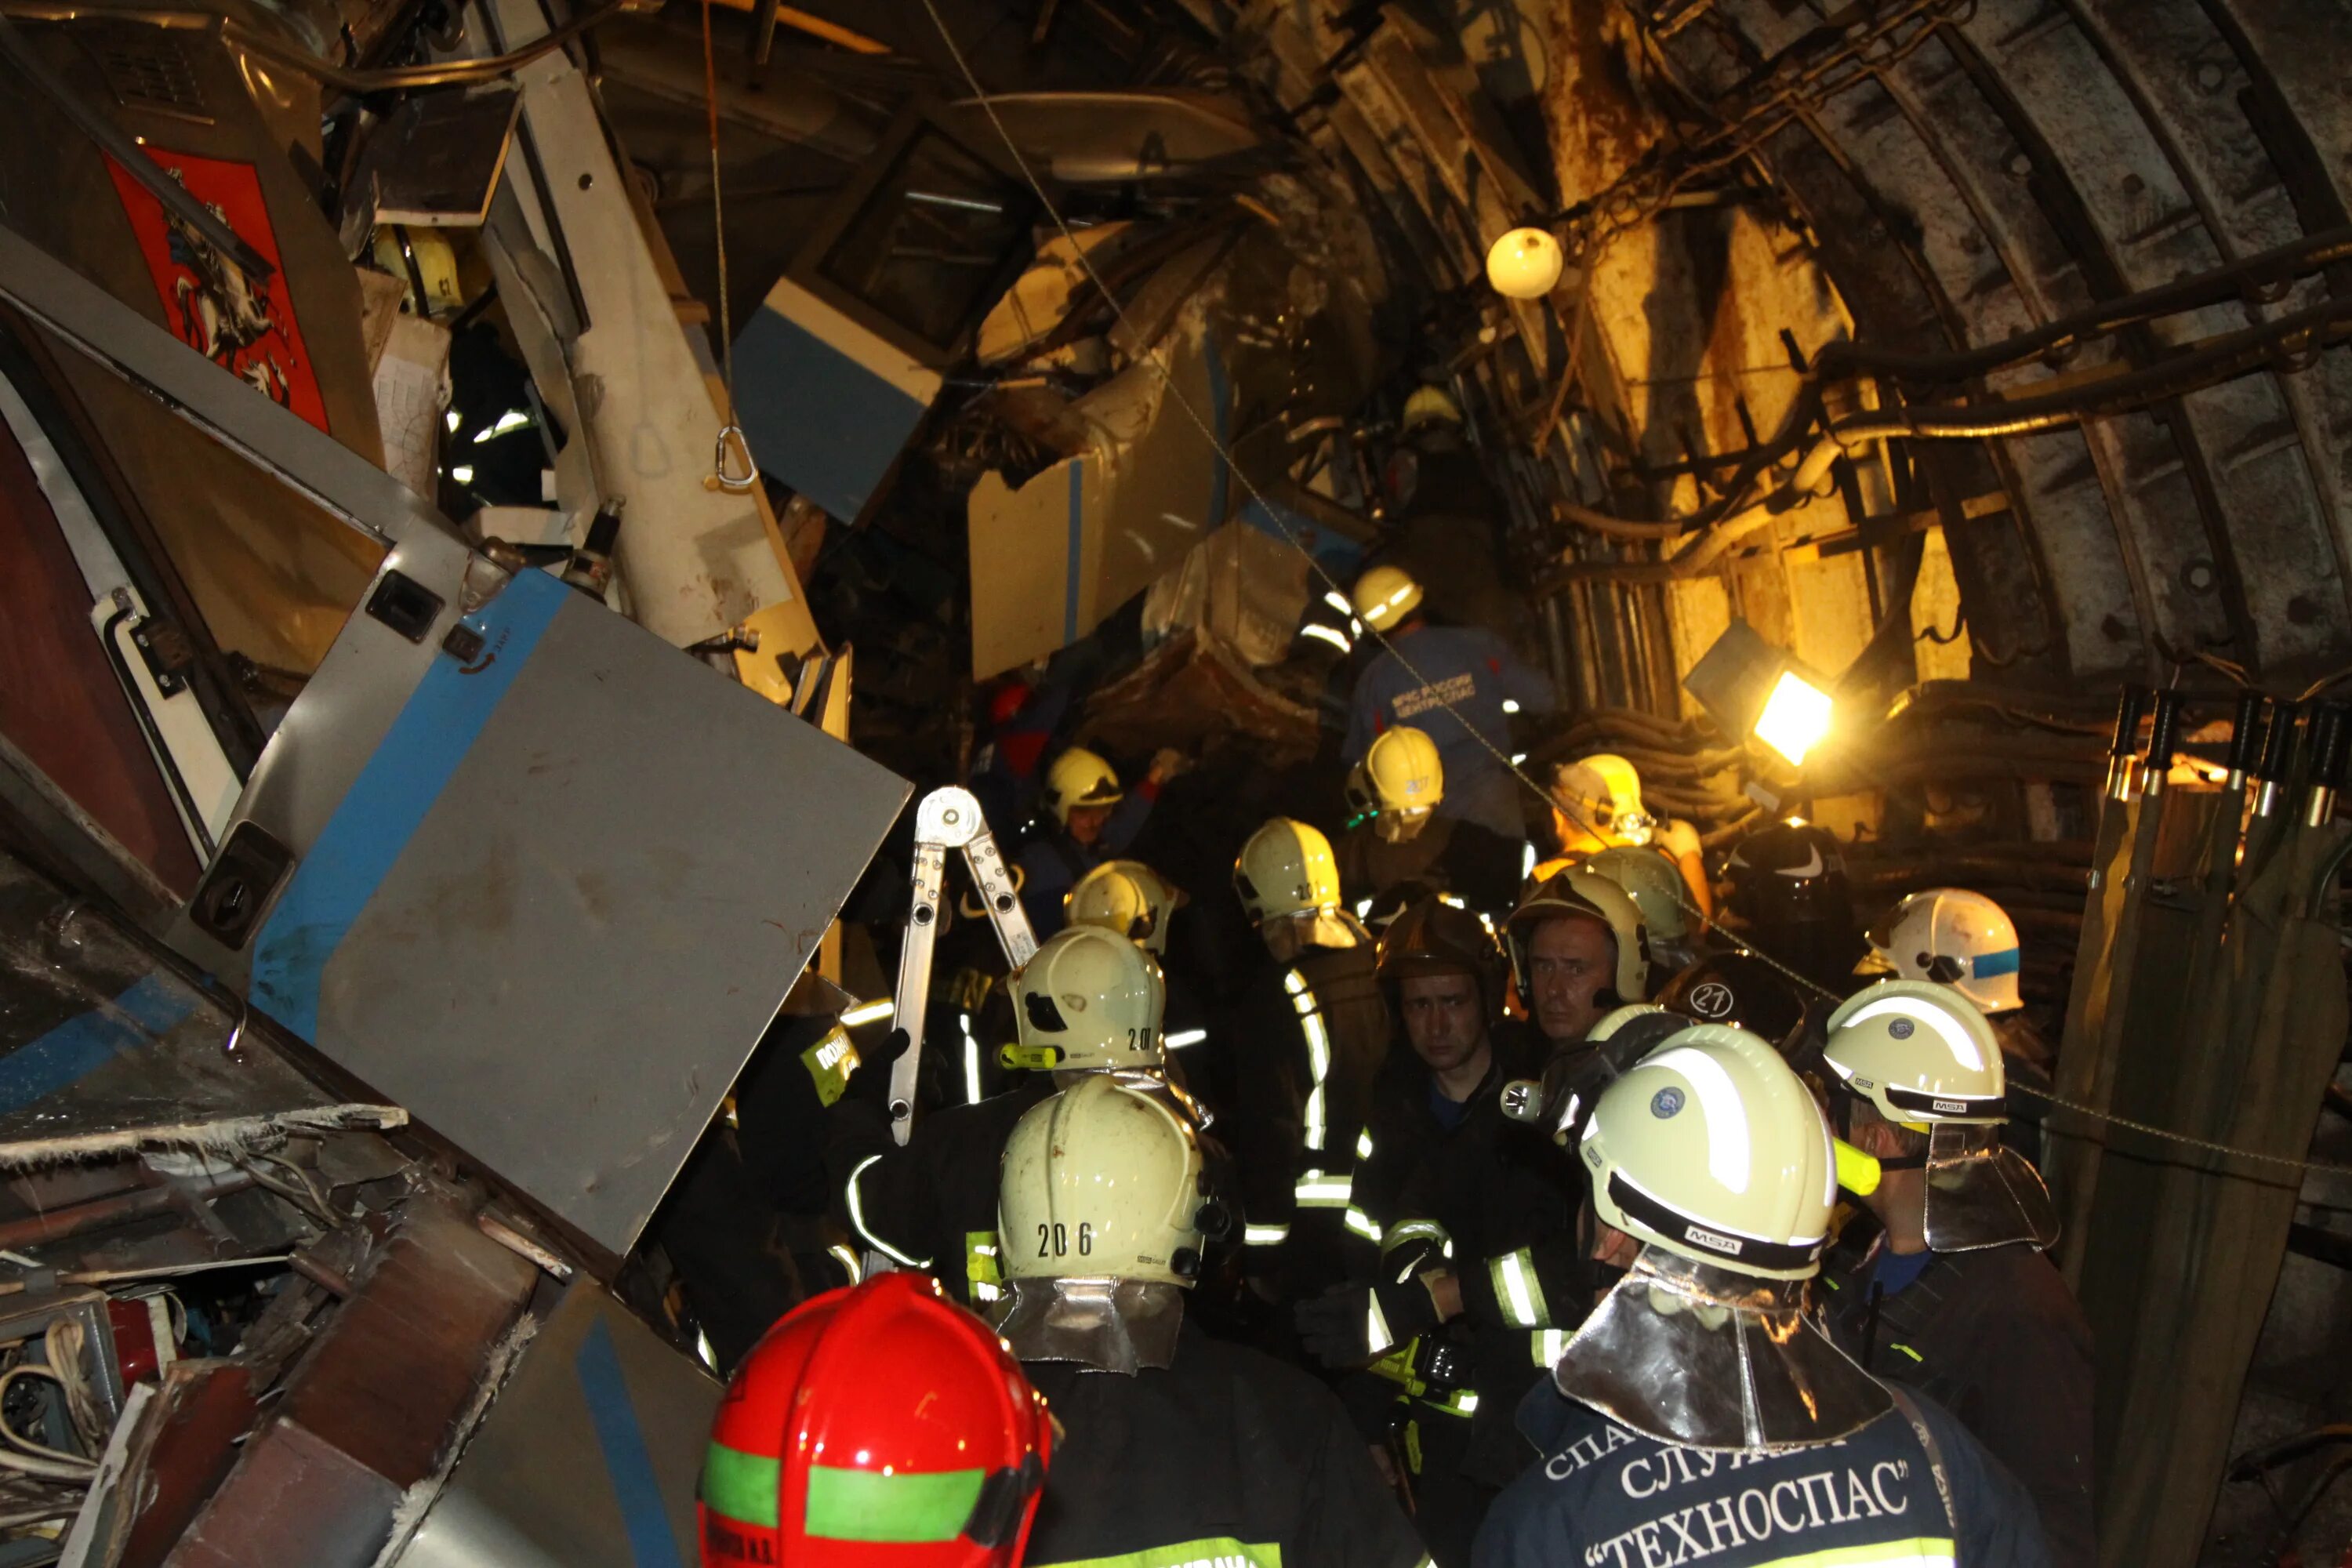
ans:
(1951, 1106)
(1902, 1028)
(1666, 1102)
(1697, 1237)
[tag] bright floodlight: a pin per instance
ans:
(1795, 717)
(1525, 264)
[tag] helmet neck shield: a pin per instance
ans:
(1689, 1353)
(1110, 1325)
(1981, 1193)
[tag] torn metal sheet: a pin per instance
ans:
(486, 829)
(588, 1459)
(104, 1051)
(1051, 559)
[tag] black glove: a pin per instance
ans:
(1341, 1327)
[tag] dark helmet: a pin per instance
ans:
(1436, 937)
(1740, 989)
(1789, 889)
(1562, 1101)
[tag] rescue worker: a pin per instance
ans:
(1176, 1449)
(1094, 819)
(1131, 898)
(1597, 806)
(1579, 948)
(1469, 1233)
(1461, 684)
(1789, 893)
(1309, 1031)
(872, 1418)
(1955, 1296)
(1088, 1002)
(1396, 835)
(1966, 941)
(1698, 1414)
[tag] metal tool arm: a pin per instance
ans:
(947, 819)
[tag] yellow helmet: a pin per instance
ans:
(1087, 1001)
(1712, 1148)
(1078, 777)
(1581, 893)
(1654, 884)
(1601, 795)
(1385, 596)
(1400, 782)
(1429, 404)
(1127, 897)
(1101, 1182)
(1287, 868)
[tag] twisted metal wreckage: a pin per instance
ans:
(349, 863)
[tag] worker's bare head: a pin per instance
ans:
(1445, 1017)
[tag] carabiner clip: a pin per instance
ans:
(721, 480)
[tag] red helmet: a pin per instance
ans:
(879, 1426)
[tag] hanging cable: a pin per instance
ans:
(720, 479)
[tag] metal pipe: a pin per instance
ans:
(2329, 735)
(2271, 769)
(2163, 728)
(2245, 737)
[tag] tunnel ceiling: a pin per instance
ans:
(1748, 182)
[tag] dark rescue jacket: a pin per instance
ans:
(1995, 1338)
(1605, 1497)
(1228, 1458)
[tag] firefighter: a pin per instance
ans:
(1309, 1031)
(1475, 1216)
(1094, 819)
(1597, 806)
(1088, 1002)
(1578, 949)
(1176, 1449)
(1966, 941)
(1955, 1296)
(1699, 1414)
(1138, 903)
(875, 1425)
(1396, 835)
(1461, 684)
(1789, 891)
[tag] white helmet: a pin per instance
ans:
(1601, 795)
(1710, 1147)
(1400, 782)
(1654, 884)
(1127, 897)
(1924, 1057)
(1920, 1053)
(1954, 936)
(1385, 596)
(1087, 1001)
(1287, 868)
(1078, 777)
(1101, 1182)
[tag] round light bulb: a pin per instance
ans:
(1525, 264)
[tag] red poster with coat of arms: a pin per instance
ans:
(245, 325)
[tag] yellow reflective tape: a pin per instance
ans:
(1907, 1350)
(1364, 1144)
(1219, 1552)
(1548, 1345)
(1362, 1223)
(1517, 1289)
(1413, 1230)
(1264, 1235)
(1377, 1337)
(848, 1261)
(1317, 1190)
(1319, 1054)
(1920, 1552)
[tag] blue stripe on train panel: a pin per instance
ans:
(385, 805)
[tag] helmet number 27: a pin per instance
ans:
(1053, 1240)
